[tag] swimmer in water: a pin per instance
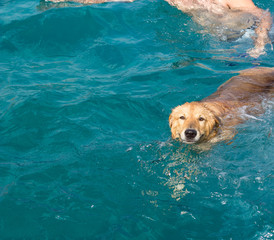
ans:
(232, 15)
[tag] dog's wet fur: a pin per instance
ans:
(213, 118)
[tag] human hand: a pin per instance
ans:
(256, 52)
(259, 48)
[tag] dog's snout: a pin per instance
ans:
(190, 133)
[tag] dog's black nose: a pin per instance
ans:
(190, 133)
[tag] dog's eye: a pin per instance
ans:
(182, 117)
(201, 119)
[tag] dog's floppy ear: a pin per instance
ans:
(172, 116)
(218, 121)
(171, 122)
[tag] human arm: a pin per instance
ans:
(263, 27)
(89, 1)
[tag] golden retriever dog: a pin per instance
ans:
(213, 118)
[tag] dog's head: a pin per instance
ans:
(193, 123)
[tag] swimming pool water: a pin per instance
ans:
(85, 148)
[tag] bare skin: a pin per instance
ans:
(220, 7)
(227, 11)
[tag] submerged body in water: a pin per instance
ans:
(226, 19)
(227, 27)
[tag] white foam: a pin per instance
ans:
(248, 35)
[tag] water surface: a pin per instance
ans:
(85, 148)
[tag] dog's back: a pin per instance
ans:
(250, 86)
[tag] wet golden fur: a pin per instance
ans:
(214, 117)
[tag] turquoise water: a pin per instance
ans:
(85, 149)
